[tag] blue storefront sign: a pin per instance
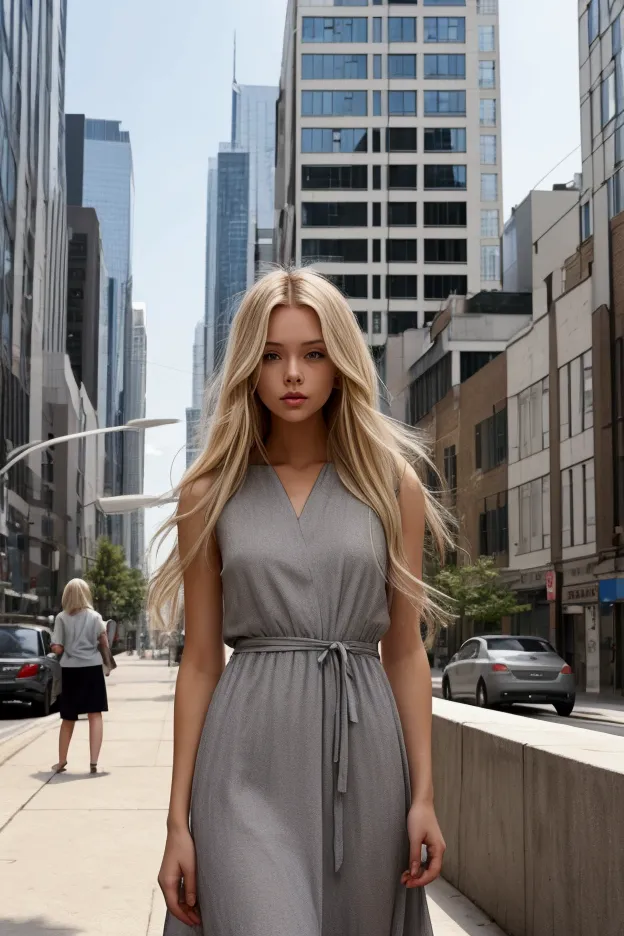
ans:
(611, 590)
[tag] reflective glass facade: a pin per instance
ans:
(232, 239)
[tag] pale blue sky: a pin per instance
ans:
(165, 72)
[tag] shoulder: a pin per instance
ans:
(98, 620)
(410, 492)
(193, 493)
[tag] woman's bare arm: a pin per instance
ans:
(405, 661)
(203, 659)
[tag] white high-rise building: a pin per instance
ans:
(388, 173)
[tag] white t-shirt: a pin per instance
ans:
(78, 634)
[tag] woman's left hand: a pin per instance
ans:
(423, 829)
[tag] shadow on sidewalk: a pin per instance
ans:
(67, 777)
(35, 927)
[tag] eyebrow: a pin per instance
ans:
(278, 344)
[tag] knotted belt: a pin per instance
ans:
(346, 706)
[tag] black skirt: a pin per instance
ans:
(83, 692)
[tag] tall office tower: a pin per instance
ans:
(193, 412)
(232, 239)
(134, 442)
(253, 126)
(100, 176)
(388, 172)
(211, 268)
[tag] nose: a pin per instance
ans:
(293, 375)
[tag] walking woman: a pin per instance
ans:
(80, 634)
(304, 766)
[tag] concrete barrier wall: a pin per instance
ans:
(533, 817)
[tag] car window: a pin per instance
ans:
(47, 643)
(520, 644)
(18, 642)
(469, 651)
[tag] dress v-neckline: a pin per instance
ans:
(298, 516)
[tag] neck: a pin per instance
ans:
(297, 444)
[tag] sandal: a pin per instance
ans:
(60, 767)
(93, 768)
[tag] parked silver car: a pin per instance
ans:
(503, 669)
(29, 670)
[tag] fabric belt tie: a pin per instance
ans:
(339, 652)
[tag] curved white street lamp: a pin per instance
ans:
(127, 503)
(133, 425)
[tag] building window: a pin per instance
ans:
(450, 472)
(488, 149)
(534, 418)
(399, 322)
(445, 66)
(441, 287)
(401, 66)
(586, 229)
(443, 2)
(615, 189)
(471, 362)
(487, 39)
(401, 251)
(319, 140)
(487, 109)
(487, 75)
(576, 396)
(376, 214)
(449, 250)
(377, 141)
(607, 99)
(376, 251)
(445, 214)
(489, 186)
(377, 66)
(377, 30)
(334, 177)
(487, 7)
(593, 20)
(329, 67)
(376, 103)
(534, 515)
(334, 29)
(401, 177)
(490, 262)
(376, 323)
(334, 103)
(490, 224)
(376, 177)
(445, 140)
(335, 251)
(445, 29)
(353, 287)
(401, 29)
(334, 214)
(376, 286)
(362, 320)
(402, 214)
(402, 103)
(445, 102)
(399, 286)
(578, 505)
(401, 140)
(491, 441)
(445, 177)
(493, 534)
(429, 389)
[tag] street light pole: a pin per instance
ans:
(133, 425)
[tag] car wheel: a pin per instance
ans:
(446, 690)
(43, 708)
(564, 708)
(482, 698)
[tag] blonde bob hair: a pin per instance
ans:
(76, 596)
(368, 449)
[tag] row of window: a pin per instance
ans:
(578, 509)
(325, 29)
(394, 103)
(397, 322)
(399, 285)
(396, 177)
(401, 250)
(399, 214)
(329, 67)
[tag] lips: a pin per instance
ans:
(294, 396)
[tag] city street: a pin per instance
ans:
(80, 854)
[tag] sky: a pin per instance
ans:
(167, 77)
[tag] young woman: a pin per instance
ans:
(79, 633)
(304, 766)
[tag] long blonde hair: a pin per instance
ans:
(76, 596)
(368, 449)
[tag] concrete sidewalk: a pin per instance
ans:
(79, 854)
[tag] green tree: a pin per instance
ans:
(118, 591)
(477, 592)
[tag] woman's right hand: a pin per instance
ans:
(178, 877)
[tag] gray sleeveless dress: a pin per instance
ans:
(301, 785)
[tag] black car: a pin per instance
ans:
(29, 670)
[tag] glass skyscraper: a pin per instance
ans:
(232, 239)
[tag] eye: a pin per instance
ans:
(271, 356)
(315, 355)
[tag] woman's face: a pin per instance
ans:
(297, 376)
